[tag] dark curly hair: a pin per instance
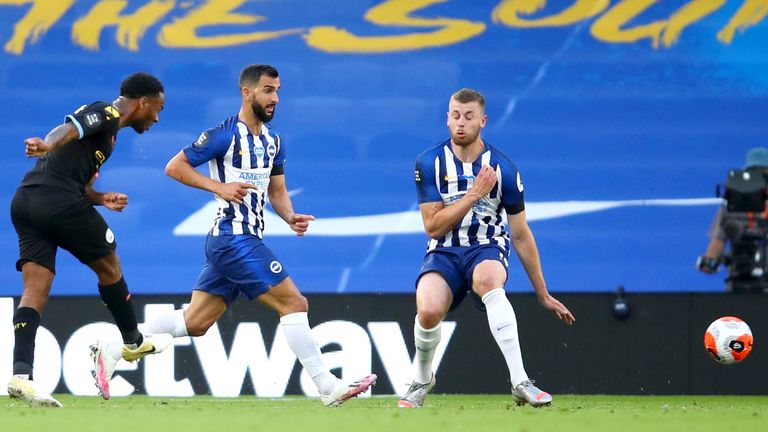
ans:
(141, 84)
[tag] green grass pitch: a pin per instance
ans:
(441, 413)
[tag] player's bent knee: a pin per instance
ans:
(482, 284)
(297, 304)
(199, 328)
(429, 318)
(108, 270)
(197, 331)
(285, 299)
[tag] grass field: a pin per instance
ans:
(441, 413)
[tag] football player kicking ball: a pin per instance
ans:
(464, 187)
(54, 208)
(237, 261)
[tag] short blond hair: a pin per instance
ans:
(467, 95)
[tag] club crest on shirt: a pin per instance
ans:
(271, 150)
(275, 267)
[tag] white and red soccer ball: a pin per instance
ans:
(728, 340)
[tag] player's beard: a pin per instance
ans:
(260, 112)
(467, 140)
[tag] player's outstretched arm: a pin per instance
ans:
(526, 249)
(181, 170)
(281, 203)
(57, 137)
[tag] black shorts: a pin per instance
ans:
(47, 218)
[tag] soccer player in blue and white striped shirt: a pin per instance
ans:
(465, 186)
(246, 159)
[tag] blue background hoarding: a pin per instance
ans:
(621, 116)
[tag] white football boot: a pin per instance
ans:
(344, 391)
(104, 363)
(24, 389)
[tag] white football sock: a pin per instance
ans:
(299, 337)
(426, 341)
(115, 349)
(503, 324)
(171, 322)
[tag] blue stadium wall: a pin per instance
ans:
(621, 116)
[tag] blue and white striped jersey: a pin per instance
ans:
(235, 155)
(441, 177)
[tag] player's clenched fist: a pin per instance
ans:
(36, 147)
(484, 182)
(115, 201)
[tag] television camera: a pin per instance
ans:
(745, 224)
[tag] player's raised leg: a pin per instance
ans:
(292, 307)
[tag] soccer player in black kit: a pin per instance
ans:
(53, 208)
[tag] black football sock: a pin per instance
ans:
(118, 300)
(25, 323)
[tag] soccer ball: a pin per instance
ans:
(728, 340)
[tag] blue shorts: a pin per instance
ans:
(238, 264)
(456, 264)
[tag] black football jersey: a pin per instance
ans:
(75, 163)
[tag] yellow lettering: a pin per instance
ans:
(182, 33)
(685, 16)
(20, 325)
(395, 13)
(609, 26)
(749, 14)
(41, 17)
(508, 13)
(130, 28)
